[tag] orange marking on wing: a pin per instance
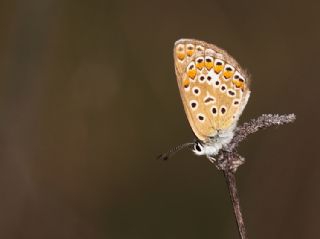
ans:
(200, 63)
(238, 84)
(180, 51)
(209, 65)
(218, 68)
(227, 74)
(192, 73)
(181, 55)
(186, 82)
(190, 50)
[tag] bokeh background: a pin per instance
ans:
(88, 99)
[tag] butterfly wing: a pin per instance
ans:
(213, 87)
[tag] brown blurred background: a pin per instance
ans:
(88, 98)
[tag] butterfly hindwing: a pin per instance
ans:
(213, 87)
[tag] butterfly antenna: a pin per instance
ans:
(172, 151)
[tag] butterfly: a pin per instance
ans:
(214, 91)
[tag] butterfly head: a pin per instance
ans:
(212, 145)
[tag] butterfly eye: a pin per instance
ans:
(198, 148)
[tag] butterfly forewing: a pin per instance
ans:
(212, 85)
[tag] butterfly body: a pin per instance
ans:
(214, 91)
(211, 146)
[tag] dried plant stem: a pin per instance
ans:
(232, 186)
(228, 160)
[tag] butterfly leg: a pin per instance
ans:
(212, 159)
